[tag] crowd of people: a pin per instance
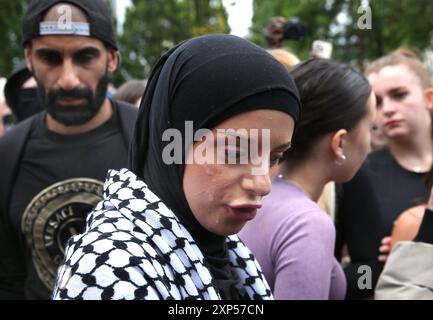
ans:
(205, 182)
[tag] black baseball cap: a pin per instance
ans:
(99, 24)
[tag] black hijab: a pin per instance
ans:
(205, 80)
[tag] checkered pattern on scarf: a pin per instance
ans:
(134, 247)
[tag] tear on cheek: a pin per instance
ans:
(210, 196)
(217, 219)
(213, 170)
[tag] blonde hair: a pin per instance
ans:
(406, 57)
(286, 58)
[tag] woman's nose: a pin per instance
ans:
(259, 185)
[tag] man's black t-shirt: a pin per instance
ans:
(367, 208)
(59, 181)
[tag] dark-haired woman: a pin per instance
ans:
(166, 229)
(292, 238)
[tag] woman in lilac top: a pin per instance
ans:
(291, 237)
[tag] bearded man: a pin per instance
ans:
(52, 164)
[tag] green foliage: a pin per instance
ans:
(11, 13)
(395, 23)
(113, 15)
(152, 27)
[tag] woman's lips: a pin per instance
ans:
(245, 212)
(392, 123)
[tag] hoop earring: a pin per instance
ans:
(341, 161)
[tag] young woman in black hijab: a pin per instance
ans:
(166, 229)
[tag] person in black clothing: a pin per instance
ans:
(391, 179)
(407, 274)
(52, 164)
(21, 93)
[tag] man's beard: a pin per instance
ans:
(74, 115)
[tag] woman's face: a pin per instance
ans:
(402, 108)
(224, 194)
(357, 144)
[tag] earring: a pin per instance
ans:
(341, 161)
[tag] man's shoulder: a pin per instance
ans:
(125, 108)
(127, 114)
(15, 136)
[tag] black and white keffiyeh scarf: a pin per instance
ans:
(134, 247)
(204, 81)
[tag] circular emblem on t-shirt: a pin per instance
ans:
(52, 217)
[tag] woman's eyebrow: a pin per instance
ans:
(236, 134)
(397, 89)
(284, 146)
